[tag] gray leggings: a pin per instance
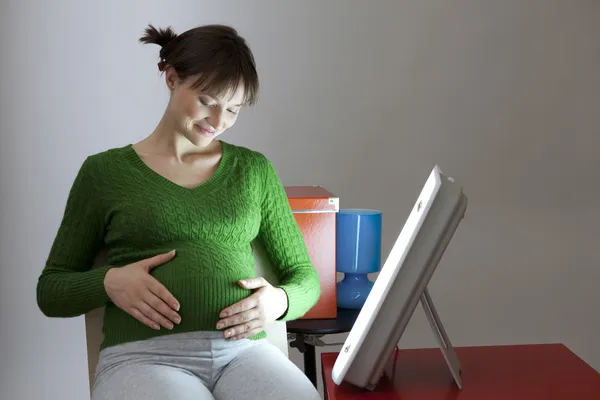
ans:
(199, 366)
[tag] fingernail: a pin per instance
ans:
(170, 326)
(243, 282)
(177, 320)
(156, 327)
(228, 333)
(219, 326)
(175, 306)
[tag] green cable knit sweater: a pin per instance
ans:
(117, 202)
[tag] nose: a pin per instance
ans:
(216, 119)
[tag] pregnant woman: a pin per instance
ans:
(178, 211)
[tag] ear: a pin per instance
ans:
(171, 77)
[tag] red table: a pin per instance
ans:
(522, 372)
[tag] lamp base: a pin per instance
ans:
(353, 290)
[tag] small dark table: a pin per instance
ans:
(306, 333)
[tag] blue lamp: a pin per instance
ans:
(358, 253)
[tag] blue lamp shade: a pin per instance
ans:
(358, 253)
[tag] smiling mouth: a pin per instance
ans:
(207, 131)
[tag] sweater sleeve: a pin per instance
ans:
(68, 286)
(286, 249)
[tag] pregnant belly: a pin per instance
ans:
(206, 283)
(201, 299)
(203, 280)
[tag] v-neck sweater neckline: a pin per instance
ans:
(133, 157)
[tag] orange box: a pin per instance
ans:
(315, 210)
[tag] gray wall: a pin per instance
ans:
(361, 97)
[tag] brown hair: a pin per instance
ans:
(215, 53)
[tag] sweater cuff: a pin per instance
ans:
(93, 292)
(296, 306)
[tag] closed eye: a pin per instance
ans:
(207, 104)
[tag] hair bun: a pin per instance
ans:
(158, 36)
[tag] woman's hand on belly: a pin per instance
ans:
(250, 316)
(135, 291)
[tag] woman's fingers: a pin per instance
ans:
(243, 325)
(162, 292)
(160, 306)
(137, 314)
(154, 315)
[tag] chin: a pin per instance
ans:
(200, 139)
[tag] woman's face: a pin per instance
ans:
(201, 116)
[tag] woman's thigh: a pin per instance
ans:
(149, 382)
(263, 372)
